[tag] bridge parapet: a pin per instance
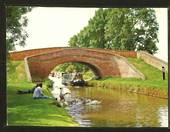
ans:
(20, 55)
(152, 60)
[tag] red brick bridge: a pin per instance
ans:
(40, 62)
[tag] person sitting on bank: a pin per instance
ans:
(38, 94)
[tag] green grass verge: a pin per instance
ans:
(23, 110)
(153, 78)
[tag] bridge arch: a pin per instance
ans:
(102, 63)
(94, 68)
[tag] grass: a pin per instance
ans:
(153, 78)
(152, 74)
(24, 110)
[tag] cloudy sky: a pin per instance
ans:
(53, 27)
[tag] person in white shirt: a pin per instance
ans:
(38, 94)
(66, 94)
(57, 81)
(60, 92)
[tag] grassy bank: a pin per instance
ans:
(152, 86)
(24, 110)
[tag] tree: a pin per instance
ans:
(15, 23)
(120, 29)
(71, 67)
(91, 36)
(132, 29)
(146, 34)
(97, 29)
(73, 41)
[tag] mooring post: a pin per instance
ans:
(163, 72)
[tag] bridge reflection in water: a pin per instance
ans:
(119, 109)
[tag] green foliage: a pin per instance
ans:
(150, 72)
(48, 83)
(71, 67)
(88, 75)
(153, 78)
(16, 71)
(120, 29)
(76, 67)
(15, 23)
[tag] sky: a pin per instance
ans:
(53, 27)
(162, 19)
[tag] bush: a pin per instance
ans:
(48, 83)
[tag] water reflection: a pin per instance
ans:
(163, 114)
(119, 109)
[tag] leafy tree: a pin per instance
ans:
(97, 29)
(132, 29)
(71, 67)
(93, 35)
(15, 34)
(73, 41)
(120, 29)
(15, 23)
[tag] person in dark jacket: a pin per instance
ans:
(29, 91)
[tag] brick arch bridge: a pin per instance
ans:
(40, 62)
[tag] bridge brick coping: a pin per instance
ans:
(20, 55)
(40, 62)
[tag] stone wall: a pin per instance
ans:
(27, 70)
(152, 60)
(127, 70)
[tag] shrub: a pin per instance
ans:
(48, 83)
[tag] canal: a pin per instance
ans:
(118, 109)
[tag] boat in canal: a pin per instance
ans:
(78, 82)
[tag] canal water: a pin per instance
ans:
(118, 109)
